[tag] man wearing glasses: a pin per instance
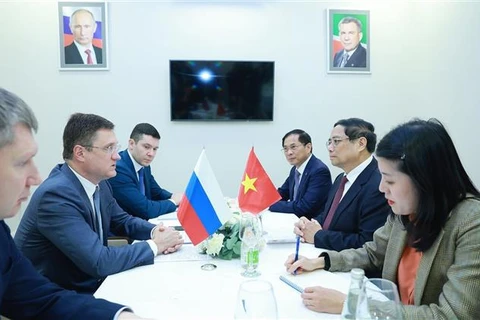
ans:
(305, 191)
(65, 227)
(355, 207)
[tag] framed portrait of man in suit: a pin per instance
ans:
(348, 41)
(83, 35)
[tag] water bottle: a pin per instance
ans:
(245, 256)
(356, 283)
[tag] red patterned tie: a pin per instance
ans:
(89, 56)
(336, 201)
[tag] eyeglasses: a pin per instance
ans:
(335, 141)
(111, 149)
(293, 147)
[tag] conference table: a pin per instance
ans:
(177, 287)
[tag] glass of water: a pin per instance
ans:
(379, 300)
(256, 300)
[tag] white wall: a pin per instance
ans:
(423, 61)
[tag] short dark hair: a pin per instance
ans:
(356, 128)
(303, 137)
(424, 151)
(81, 129)
(346, 20)
(13, 110)
(144, 128)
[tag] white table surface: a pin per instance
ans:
(171, 289)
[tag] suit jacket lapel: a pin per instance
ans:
(304, 177)
(103, 207)
(81, 191)
(126, 158)
(396, 245)
(331, 195)
(352, 192)
(424, 268)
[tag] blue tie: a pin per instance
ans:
(141, 181)
(296, 185)
(344, 60)
(98, 215)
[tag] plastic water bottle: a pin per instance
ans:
(246, 256)
(356, 283)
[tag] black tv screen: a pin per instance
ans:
(221, 90)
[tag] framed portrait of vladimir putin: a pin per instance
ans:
(83, 35)
(348, 41)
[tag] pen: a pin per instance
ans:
(297, 247)
(291, 284)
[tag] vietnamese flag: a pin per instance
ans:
(257, 191)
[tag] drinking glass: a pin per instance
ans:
(250, 233)
(379, 300)
(256, 300)
(260, 218)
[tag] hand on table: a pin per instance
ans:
(307, 229)
(303, 264)
(167, 239)
(322, 299)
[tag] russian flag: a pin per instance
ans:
(203, 208)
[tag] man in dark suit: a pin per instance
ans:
(353, 55)
(134, 186)
(355, 207)
(305, 191)
(82, 50)
(24, 293)
(65, 226)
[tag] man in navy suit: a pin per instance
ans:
(353, 55)
(134, 186)
(24, 293)
(65, 226)
(360, 208)
(82, 50)
(306, 194)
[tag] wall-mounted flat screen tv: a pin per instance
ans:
(221, 90)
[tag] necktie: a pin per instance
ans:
(89, 56)
(344, 60)
(336, 201)
(296, 185)
(98, 214)
(141, 181)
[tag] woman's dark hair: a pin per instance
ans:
(425, 152)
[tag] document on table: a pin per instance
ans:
(279, 227)
(186, 253)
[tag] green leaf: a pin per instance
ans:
(237, 248)
(229, 243)
(235, 228)
(227, 256)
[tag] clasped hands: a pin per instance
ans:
(307, 229)
(167, 239)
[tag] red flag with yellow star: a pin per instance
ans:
(257, 191)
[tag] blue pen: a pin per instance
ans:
(296, 252)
